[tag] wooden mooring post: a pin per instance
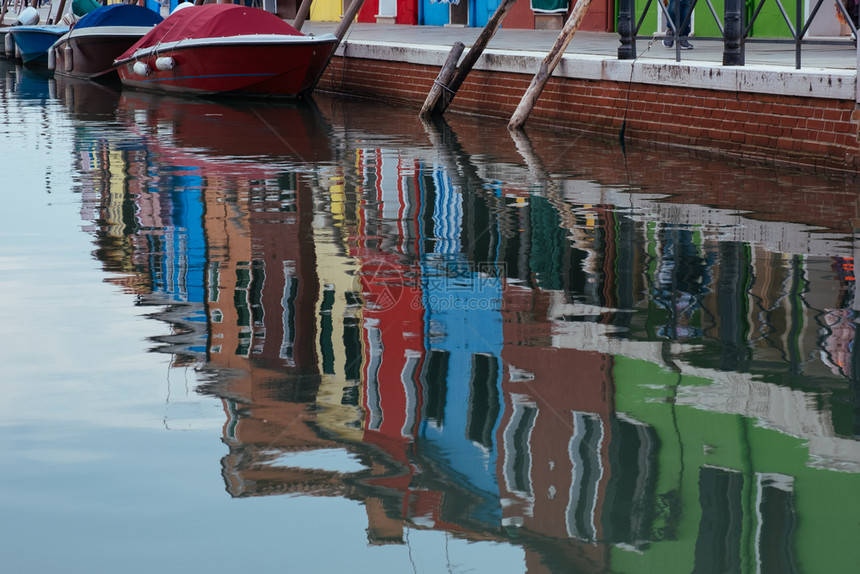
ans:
(437, 104)
(11, 6)
(59, 15)
(347, 19)
(302, 14)
(442, 80)
(458, 164)
(548, 65)
(3, 11)
(345, 22)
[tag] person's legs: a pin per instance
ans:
(678, 10)
(670, 30)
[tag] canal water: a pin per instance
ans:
(328, 337)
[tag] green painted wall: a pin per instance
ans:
(769, 23)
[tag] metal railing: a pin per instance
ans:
(734, 31)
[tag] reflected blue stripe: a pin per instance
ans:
(209, 76)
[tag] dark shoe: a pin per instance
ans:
(685, 45)
(668, 42)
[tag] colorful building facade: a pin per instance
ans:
(533, 14)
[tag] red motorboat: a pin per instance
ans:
(226, 49)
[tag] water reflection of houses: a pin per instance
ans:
(728, 302)
(510, 366)
(436, 400)
(110, 168)
(261, 287)
(702, 296)
(558, 410)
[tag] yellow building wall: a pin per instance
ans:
(326, 10)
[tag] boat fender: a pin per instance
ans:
(52, 59)
(165, 63)
(69, 58)
(10, 46)
(140, 68)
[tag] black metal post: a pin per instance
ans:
(798, 36)
(855, 381)
(855, 347)
(626, 15)
(733, 38)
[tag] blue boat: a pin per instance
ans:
(34, 41)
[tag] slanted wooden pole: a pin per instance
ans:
(348, 19)
(460, 168)
(345, 23)
(458, 164)
(442, 80)
(59, 15)
(548, 65)
(441, 104)
(3, 12)
(302, 14)
(533, 161)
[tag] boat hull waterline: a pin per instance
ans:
(34, 41)
(90, 53)
(248, 65)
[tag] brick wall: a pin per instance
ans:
(763, 127)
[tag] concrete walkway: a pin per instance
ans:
(827, 71)
(843, 56)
